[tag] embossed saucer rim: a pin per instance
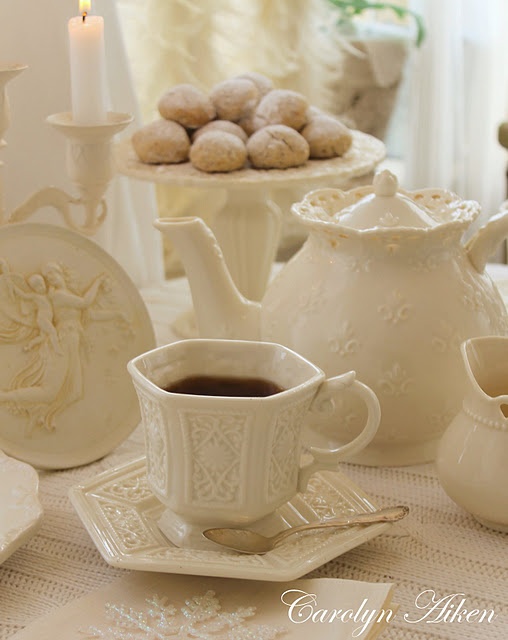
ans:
(120, 514)
(20, 510)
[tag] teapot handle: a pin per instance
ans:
(483, 244)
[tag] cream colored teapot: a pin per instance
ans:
(384, 286)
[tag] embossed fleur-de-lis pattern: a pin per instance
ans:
(344, 342)
(155, 440)
(446, 338)
(283, 470)
(395, 381)
(396, 308)
(214, 446)
(312, 301)
(430, 258)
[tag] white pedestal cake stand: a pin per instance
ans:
(248, 225)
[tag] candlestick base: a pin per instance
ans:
(90, 168)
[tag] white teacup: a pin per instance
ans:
(231, 461)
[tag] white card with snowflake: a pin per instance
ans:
(148, 606)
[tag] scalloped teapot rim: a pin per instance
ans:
(384, 207)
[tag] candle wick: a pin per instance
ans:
(84, 16)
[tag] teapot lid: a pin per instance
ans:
(386, 207)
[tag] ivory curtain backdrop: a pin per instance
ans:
(458, 97)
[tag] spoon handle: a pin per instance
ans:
(389, 514)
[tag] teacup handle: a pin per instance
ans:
(328, 459)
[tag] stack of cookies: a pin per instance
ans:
(243, 121)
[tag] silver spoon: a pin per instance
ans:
(247, 541)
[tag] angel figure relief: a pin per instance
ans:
(48, 314)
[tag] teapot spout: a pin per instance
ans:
(483, 244)
(221, 310)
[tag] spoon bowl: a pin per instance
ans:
(247, 541)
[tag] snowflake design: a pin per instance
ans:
(201, 617)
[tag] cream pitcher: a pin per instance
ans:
(383, 286)
(473, 453)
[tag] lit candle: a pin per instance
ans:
(88, 67)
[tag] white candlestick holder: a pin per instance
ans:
(7, 73)
(89, 166)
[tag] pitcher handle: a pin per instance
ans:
(328, 459)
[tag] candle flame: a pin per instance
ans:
(84, 7)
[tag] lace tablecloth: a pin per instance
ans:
(439, 548)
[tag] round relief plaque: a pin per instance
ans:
(70, 320)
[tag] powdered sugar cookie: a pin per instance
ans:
(218, 151)
(277, 147)
(221, 125)
(161, 142)
(327, 137)
(187, 105)
(234, 98)
(282, 106)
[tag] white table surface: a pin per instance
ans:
(438, 547)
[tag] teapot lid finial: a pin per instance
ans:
(386, 207)
(385, 183)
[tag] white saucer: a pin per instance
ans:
(70, 320)
(20, 509)
(120, 513)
